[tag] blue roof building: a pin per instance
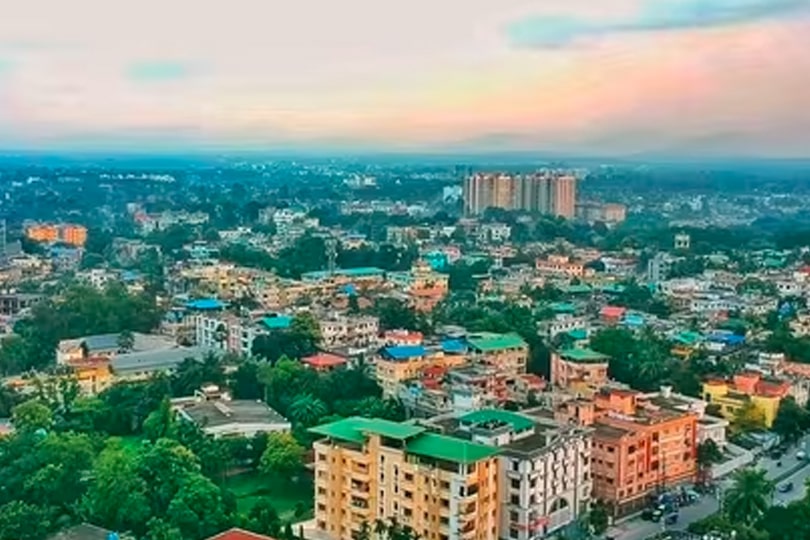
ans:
(205, 304)
(277, 322)
(403, 352)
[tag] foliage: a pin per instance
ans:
(80, 311)
(298, 341)
(598, 518)
(32, 416)
(749, 418)
(283, 455)
(791, 420)
(749, 496)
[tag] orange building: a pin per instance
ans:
(578, 366)
(428, 287)
(75, 235)
(42, 233)
(640, 446)
(565, 196)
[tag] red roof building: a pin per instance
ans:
(239, 534)
(324, 361)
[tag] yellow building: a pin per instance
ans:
(401, 363)
(367, 469)
(731, 396)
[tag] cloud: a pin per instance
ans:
(157, 71)
(653, 15)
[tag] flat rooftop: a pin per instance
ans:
(241, 411)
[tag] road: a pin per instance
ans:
(638, 529)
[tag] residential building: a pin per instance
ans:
(443, 487)
(349, 330)
(639, 448)
(238, 534)
(749, 387)
(547, 192)
(68, 233)
(507, 353)
(561, 266)
(545, 468)
(399, 363)
(222, 417)
(578, 367)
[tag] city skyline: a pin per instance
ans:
(617, 77)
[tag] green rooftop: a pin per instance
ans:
(483, 416)
(446, 448)
(577, 334)
(577, 289)
(688, 337)
(356, 428)
(584, 356)
(487, 342)
(418, 441)
(563, 307)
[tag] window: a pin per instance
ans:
(513, 533)
(514, 516)
(515, 484)
(514, 499)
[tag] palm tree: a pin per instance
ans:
(306, 409)
(749, 498)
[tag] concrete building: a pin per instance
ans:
(507, 353)
(578, 367)
(545, 468)
(222, 417)
(750, 387)
(445, 488)
(546, 192)
(639, 447)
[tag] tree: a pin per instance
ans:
(283, 455)
(160, 423)
(708, 454)
(598, 518)
(263, 518)
(197, 509)
(791, 420)
(116, 498)
(749, 497)
(126, 341)
(749, 418)
(307, 410)
(32, 416)
(23, 521)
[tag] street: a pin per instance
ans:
(638, 529)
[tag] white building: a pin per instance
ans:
(221, 417)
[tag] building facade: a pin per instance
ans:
(442, 487)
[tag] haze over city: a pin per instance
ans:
(613, 77)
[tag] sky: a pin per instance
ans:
(586, 77)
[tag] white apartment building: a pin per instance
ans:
(349, 330)
(545, 469)
(225, 333)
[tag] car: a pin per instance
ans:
(784, 488)
(801, 454)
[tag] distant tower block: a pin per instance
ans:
(682, 241)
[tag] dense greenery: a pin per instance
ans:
(78, 311)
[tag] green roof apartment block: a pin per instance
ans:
(583, 356)
(416, 440)
(488, 342)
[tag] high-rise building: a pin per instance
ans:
(546, 192)
(368, 469)
(564, 196)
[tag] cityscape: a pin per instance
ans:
(359, 271)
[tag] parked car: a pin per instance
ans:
(801, 454)
(784, 488)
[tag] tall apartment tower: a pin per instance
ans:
(565, 196)
(489, 190)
